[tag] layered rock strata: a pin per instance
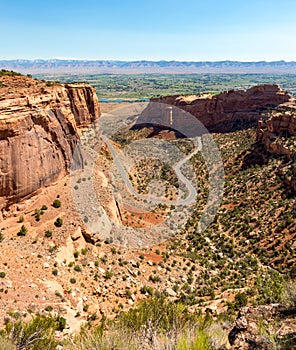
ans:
(226, 111)
(39, 132)
(276, 132)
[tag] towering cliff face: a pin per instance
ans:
(227, 110)
(38, 132)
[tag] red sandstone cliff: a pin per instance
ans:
(38, 132)
(225, 111)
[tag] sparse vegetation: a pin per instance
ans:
(153, 322)
(77, 268)
(56, 203)
(48, 233)
(58, 222)
(10, 73)
(36, 334)
(23, 231)
(37, 214)
(84, 251)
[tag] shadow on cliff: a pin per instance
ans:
(156, 130)
(162, 116)
(229, 110)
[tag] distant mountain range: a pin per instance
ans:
(59, 66)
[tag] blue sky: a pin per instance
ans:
(197, 30)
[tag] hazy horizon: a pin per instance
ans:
(137, 60)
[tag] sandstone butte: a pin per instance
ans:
(227, 110)
(39, 130)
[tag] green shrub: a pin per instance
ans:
(147, 289)
(154, 278)
(53, 248)
(289, 293)
(61, 323)
(108, 240)
(2, 274)
(156, 323)
(48, 308)
(77, 268)
(96, 339)
(158, 314)
(36, 334)
(23, 231)
(56, 203)
(58, 222)
(270, 289)
(241, 300)
(200, 341)
(83, 251)
(48, 233)
(37, 214)
(108, 275)
(5, 72)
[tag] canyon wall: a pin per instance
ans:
(230, 109)
(38, 132)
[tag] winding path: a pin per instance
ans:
(192, 193)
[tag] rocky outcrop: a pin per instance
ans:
(231, 109)
(274, 132)
(277, 135)
(264, 327)
(38, 132)
(83, 102)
